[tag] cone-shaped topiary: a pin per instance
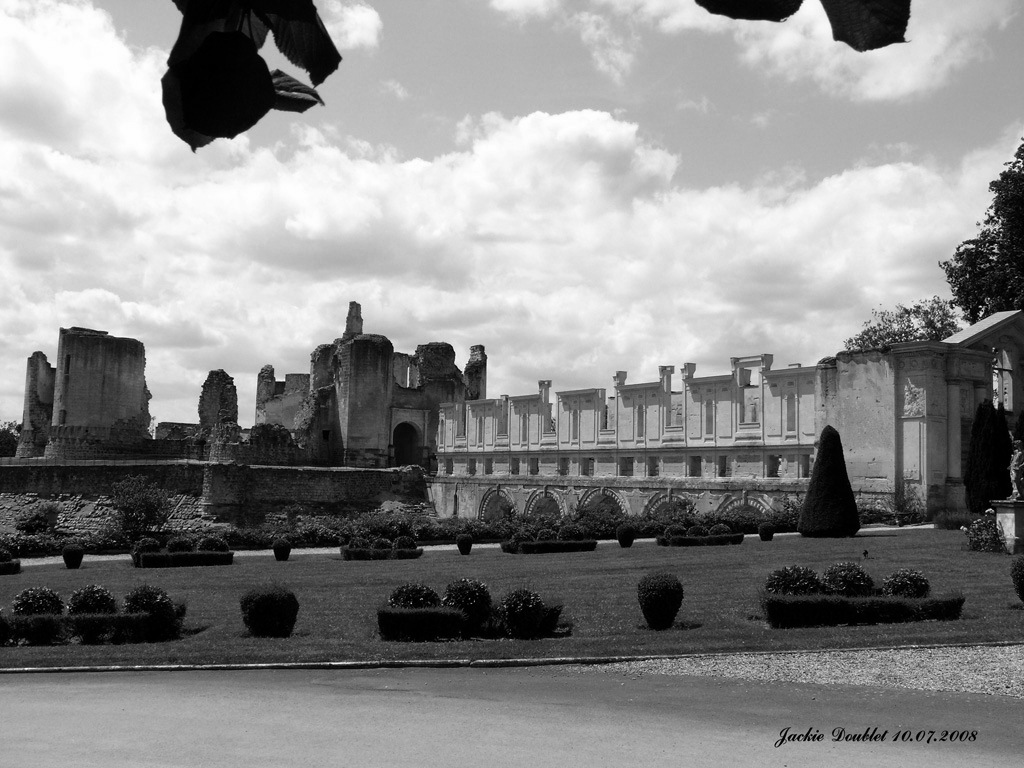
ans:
(987, 476)
(830, 509)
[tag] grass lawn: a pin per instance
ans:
(337, 617)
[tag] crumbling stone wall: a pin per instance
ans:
(476, 373)
(38, 411)
(218, 402)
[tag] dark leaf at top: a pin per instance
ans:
(865, 25)
(755, 10)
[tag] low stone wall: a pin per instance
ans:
(203, 495)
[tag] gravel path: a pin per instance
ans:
(995, 670)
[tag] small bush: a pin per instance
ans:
(625, 534)
(660, 595)
(953, 519)
(464, 542)
(522, 614)
(785, 611)
(357, 542)
(145, 544)
(472, 598)
(546, 534)
(164, 617)
(72, 554)
(420, 624)
(906, 583)
(414, 596)
(36, 601)
(766, 531)
(213, 544)
(92, 598)
(847, 580)
(696, 530)
(282, 549)
(984, 535)
(382, 543)
(5, 555)
(270, 611)
(36, 521)
(140, 505)
(405, 542)
(573, 532)
(549, 546)
(719, 529)
(10, 567)
(1017, 576)
(676, 530)
(793, 580)
(181, 544)
(183, 559)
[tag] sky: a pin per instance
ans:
(582, 186)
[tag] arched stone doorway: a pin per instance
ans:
(496, 506)
(407, 444)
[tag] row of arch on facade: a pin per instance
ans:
(498, 503)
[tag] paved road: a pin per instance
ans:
(537, 717)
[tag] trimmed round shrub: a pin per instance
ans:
(522, 614)
(163, 623)
(847, 580)
(660, 596)
(414, 596)
(145, 544)
(472, 598)
(382, 543)
(212, 544)
(696, 530)
(1017, 576)
(36, 601)
(405, 542)
(546, 534)
(92, 598)
(906, 582)
(984, 535)
(625, 534)
(270, 611)
(675, 530)
(719, 529)
(180, 544)
(572, 532)
(793, 580)
(5, 555)
(766, 531)
(464, 541)
(72, 554)
(358, 543)
(282, 549)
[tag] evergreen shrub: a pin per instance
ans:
(37, 600)
(906, 582)
(766, 531)
(626, 535)
(37, 629)
(145, 544)
(405, 542)
(181, 544)
(984, 535)
(719, 529)
(552, 546)
(546, 534)
(660, 596)
(164, 618)
(472, 598)
(464, 541)
(92, 598)
(5, 555)
(785, 611)
(282, 549)
(72, 555)
(847, 580)
(574, 532)
(270, 611)
(382, 543)
(183, 559)
(35, 521)
(1017, 576)
(523, 614)
(213, 544)
(696, 530)
(414, 595)
(793, 580)
(420, 624)
(829, 509)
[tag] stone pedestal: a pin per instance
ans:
(1010, 519)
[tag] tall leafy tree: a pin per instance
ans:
(830, 508)
(9, 431)
(986, 273)
(931, 319)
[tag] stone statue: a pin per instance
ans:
(1017, 471)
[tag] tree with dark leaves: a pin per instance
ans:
(931, 319)
(830, 508)
(218, 86)
(987, 476)
(986, 273)
(862, 24)
(9, 431)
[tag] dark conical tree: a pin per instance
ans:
(830, 509)
(988, 459)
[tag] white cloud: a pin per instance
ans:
(944, 37)
(351, 25)
(569, 244)
(611, 52)
(395, 88)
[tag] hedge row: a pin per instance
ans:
(10, 567)
(547, 546)
(182, 559)
(787, 611)
(88, 628)
(367, 553)
(700, 541)
(420, 624)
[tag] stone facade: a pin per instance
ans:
(904, 416)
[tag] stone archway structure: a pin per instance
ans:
(597, 494)
(746, 501)
(663, 499)
(535, 502)
(494, 503)
(408, 445)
